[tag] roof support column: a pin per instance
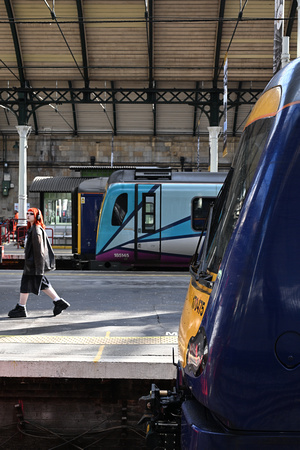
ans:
(214, 129)
(285, 55)
(213, 147)
(23, 131)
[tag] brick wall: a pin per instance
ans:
(100, 413)
(52, 155)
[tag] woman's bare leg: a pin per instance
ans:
(51, 293)
(23, 299)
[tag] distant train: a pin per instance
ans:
(153, 217)
(86, 203)
(238, 383)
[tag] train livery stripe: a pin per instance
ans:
(267, 110)
(197, 299)
(153, 238)
(131, 215)
(79, 224)
(266, 106)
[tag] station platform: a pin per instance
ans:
(119, 325)
(12, 252)
(70, 380)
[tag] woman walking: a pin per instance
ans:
(37, 253)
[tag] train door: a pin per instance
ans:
(147, 222)
(90, 207)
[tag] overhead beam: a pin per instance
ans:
(149, 31)
(22, 110)
(154, 111)
(236, 112)
(202, 99)
(83, 42)
(16, 42)
(45, 96)
(218, 41)
(114, 110)
(291, 18)
(152, 82)
(36, 127)
(75, 128)
(195, 124)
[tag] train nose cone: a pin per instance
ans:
(287, 349)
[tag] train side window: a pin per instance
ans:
(148, 213)
(119, 210)
(200, 209)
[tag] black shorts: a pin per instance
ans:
(34, 284)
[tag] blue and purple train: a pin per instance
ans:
(153, 217)
(238, 383)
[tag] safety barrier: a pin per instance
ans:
(49, 232)
(4, 233)
(21, 233)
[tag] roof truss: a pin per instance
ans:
(23, 102)
(141, 42)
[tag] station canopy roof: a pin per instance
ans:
(55, 184)
(129, 67)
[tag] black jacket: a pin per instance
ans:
(36, 251)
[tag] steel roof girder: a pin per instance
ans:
(16, 42)
(41, 96)
(219, 40)
(209, 101)
(83, 41)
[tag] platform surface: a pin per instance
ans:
(119, 325)
(14, 251)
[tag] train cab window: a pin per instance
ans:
(148, 213)
(200, 210)
(119, 210)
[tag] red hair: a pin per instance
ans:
(37, 212)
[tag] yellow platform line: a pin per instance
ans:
(88, 340)
(101, 348)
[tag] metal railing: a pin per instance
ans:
(50, 234)
(21, 233)
(5, 232)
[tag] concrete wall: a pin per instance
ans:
(52, 155)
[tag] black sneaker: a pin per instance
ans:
(59, 306)
(18, 311)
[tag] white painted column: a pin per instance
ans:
(285, 55)
(213, 147)
(24, 132)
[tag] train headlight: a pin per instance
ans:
(197, 353)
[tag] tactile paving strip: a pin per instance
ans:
(89, 340)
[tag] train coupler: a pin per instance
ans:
(162, 418)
